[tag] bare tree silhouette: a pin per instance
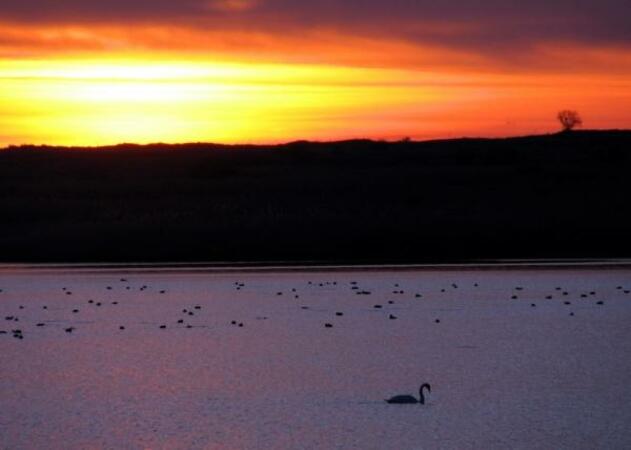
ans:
(569, 119)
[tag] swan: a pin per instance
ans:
(409, 399)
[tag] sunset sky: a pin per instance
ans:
(78, 72)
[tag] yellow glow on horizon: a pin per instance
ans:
(110, 100)
(103, 102)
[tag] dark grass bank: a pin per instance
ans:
(558, 196)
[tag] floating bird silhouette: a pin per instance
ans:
(410, 399)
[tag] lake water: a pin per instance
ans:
(504, 373)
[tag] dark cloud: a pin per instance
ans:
(490, 24)
(82, 10)
(485, 21)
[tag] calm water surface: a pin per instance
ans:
(504, 373)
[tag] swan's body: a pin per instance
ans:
(402, 399)
(409, 399)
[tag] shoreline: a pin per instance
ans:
(288, 266)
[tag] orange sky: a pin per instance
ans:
(91, 82)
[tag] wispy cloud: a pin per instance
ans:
(314, 46)
(232, 5)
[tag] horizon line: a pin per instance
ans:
(402, 140)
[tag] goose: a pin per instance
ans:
(409, 399)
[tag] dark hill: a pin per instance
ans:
(563, 195)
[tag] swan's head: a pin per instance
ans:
(421, 397)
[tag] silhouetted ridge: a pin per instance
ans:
(559, 195)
